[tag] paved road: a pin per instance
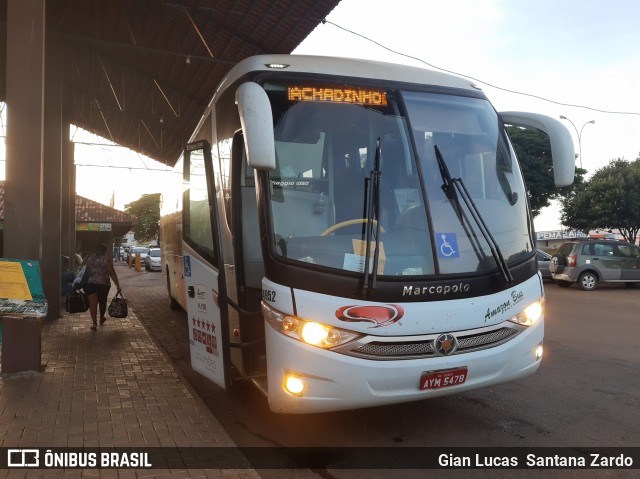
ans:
(585, 394)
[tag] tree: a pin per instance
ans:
(609, 200)
(147, 209)
(534, 152)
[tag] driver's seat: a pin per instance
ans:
(348, 181)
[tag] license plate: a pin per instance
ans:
(443, 379)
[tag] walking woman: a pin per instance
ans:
(99, 270)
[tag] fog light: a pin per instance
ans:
(539, 351)
(293, 385)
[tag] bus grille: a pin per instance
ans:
(477, 340)
(417, 349)
(423, 348)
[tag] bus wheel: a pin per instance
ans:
(173, 304)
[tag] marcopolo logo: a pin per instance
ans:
(379, 316)
(436, 290)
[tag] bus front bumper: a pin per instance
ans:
(333, 382)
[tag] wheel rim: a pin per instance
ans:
(589, 281)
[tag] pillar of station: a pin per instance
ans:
(21, 342)
(52, 158)
(71, 152)
(25, 118)
(68, 219)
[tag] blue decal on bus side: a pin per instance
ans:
(447, 244)
(187, 266)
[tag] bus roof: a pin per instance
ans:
(337, 66)
(348, 67)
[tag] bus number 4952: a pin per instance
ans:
(269, 295)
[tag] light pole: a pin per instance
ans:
(562, 117)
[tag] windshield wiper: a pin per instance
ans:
(448, 185)
(372, 186)
(453, 187)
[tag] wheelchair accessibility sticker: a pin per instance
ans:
(447, 245)
(187, 265)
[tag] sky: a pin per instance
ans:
(580, 57)
(572, 52)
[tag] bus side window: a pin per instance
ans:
(197, 218)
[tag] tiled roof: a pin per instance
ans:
(88, 211)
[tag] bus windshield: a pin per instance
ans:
(320, 192)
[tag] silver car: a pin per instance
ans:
(152, 260)
(544, 260)
(589, 262)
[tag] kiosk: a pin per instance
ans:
(22, 308)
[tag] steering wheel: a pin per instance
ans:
(343, 224)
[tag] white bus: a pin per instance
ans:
(348, 233)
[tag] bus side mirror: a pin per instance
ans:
(257, 126)
(562, 149)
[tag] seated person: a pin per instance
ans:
(67, 277)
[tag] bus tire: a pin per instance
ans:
(173, 304)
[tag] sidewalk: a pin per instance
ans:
(107, 388)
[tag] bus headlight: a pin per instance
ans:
(314, 333)
(309, 332)
(530, 315)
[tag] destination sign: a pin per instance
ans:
(359, 96)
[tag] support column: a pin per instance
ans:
(71, 160)
(52, 176)
(25, 112)
(21, 343)
(67, 221)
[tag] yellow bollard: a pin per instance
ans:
(138, 268)
(129, 260)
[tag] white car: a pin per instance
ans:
(138, 250)
(152, 260)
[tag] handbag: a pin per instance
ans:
(118, 307)
(76, 302)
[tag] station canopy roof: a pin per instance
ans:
(141, 72)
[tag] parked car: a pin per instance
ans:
(544, 260)
(152, 260)
(135, 250)
(588, 262)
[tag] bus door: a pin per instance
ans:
(208, 330)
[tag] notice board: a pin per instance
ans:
(21, 290)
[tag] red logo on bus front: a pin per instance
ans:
(379, 316)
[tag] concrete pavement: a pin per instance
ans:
(113, 387)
